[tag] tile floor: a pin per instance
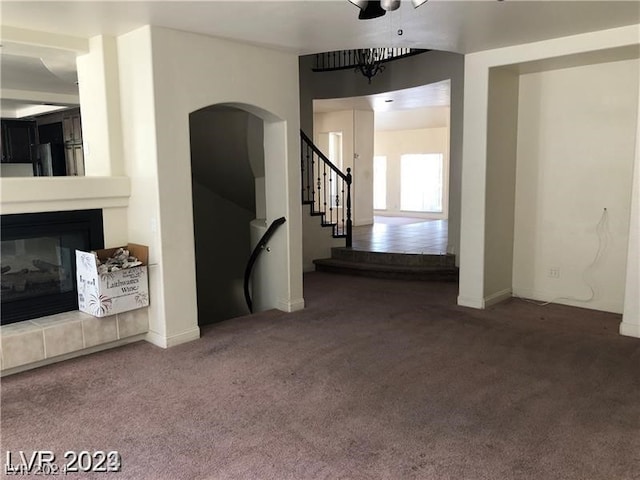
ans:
(402, 235)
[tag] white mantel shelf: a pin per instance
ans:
(47, 194)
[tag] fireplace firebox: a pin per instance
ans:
(38, 261)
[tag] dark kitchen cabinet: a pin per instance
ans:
(64, 127)
(17, 138)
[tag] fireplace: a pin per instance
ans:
(38, 261)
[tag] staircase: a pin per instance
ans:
(326, 190)
(328, 193)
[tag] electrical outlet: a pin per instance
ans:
(554, 272)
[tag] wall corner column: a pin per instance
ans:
(98, 86)
(473, 195)
(630, 325)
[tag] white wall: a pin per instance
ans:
(502, 124)
(98, 86)
(394, 144)
(357, 127)
(166, 75)
(362, 190)
(139, 158)
(596, 47)
(576, 143)
(342, 121)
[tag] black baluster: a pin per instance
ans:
(342, 214)
(349, 223)
(309, 175)
(313, 189)
(324, 178)
(330, 196)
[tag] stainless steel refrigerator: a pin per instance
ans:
(49, 160)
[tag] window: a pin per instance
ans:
(379, 182)
(421, 182)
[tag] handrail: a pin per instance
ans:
(254, 256)
(323, 157)
(326, 190)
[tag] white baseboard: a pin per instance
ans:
(402, 213)
(629, 329)
(482, 303)
(362, 221)
(291, 306)
(168, 342)
(471, 302)
(546, 296)
(498, 297)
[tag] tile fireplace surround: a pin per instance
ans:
(45, 340)
(33, 343)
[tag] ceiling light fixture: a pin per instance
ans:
(370, 61)
(390, 5)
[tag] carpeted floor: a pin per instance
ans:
(375, 379)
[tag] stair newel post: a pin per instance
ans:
(349, 223)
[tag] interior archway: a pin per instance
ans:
(228, 151)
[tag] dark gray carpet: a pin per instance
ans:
(375, 379)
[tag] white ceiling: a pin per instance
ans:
(426, 106)
(310, 26)
(303, 26)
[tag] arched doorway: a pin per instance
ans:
(228, 189)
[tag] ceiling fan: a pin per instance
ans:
(376, 8)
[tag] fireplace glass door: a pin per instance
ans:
(38, 261)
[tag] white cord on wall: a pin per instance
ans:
(602, 230)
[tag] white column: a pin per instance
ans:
(474, 177)
(631, 315)
(363, 131)
(98, 86)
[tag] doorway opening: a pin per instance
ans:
(405, 177)
(228, 188)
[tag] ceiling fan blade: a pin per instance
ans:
(361, 4)
(373, 9)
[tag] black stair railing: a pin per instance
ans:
(326, 190)
(260, 246)
(344, 59)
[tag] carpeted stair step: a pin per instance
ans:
(387, 270)
(445, 261)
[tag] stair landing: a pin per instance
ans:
(398, 248)
(400, 266)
